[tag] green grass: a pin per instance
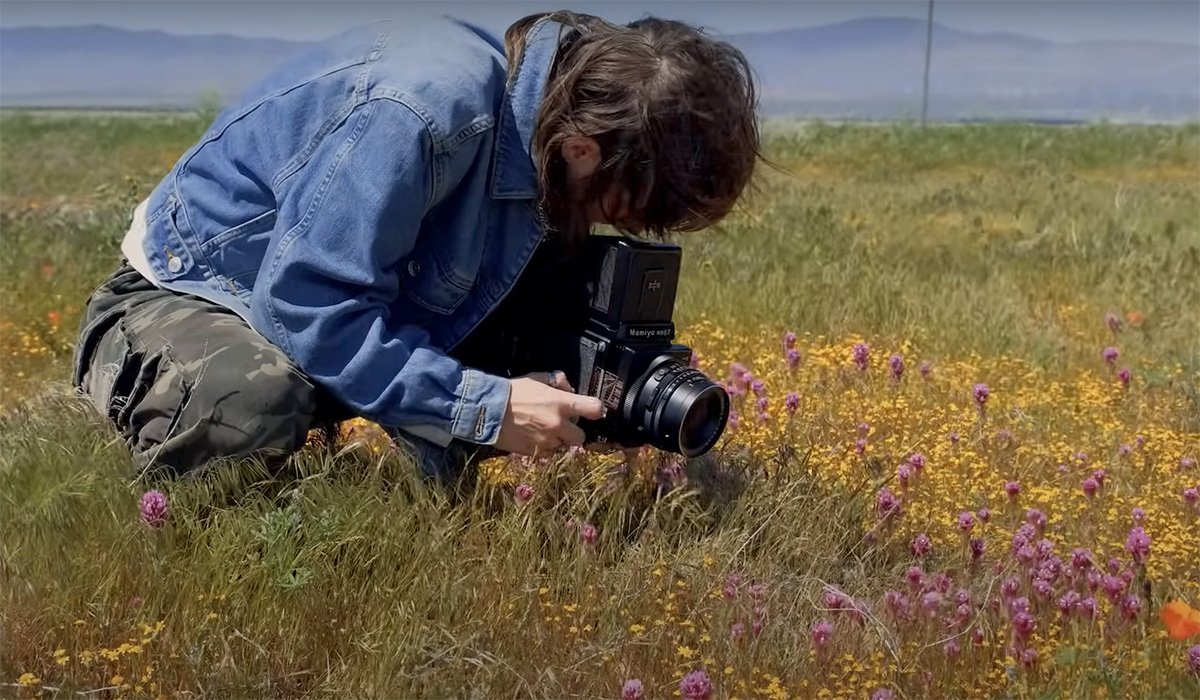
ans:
(345, 575)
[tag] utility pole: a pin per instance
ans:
(928, 51)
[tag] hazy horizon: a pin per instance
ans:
(1174, 21)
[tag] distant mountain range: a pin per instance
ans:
(865, 68)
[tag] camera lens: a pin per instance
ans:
(681, 409)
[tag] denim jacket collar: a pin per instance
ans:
(513, 173)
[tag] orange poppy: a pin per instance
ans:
(1134, 318)
(1181, 620)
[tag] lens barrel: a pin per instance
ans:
(680, 408)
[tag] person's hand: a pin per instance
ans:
(542, 408)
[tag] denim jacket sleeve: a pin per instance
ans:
(345, 222)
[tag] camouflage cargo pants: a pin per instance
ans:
(186, 381)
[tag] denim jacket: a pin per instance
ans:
(364, 208)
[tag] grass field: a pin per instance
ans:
(942, 481)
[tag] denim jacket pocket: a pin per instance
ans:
(428, 283)
(167, 246)
(237, 254)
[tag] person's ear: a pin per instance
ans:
(582, 155)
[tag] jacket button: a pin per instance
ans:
(414, 268)
(174, 264)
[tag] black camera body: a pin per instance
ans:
(604, 317)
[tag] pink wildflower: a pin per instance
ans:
(862, 356)
(695, 686)
(154, 508)
(737, 631)
(1138, 544)
(921, 545)
(886, 503)
(1131, 606)
(588, 533)
(1068, 602)
(821, 632)
(1114, 586)
(633, 690)
(732, 581)
(524, 493)
(1023, 625)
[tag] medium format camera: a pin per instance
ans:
(603, 316)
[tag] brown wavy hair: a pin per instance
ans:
(673, 110)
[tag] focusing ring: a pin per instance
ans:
(631, 394)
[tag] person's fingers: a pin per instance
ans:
(558, 380)
(546, 444)
(585, 407)
(571, 434)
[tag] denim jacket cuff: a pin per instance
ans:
(482, 403)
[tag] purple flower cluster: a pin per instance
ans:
(633, 690)
(695, 686)
(154, 508)
(861, 356)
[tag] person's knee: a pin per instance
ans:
(224, 410)
(258, 410)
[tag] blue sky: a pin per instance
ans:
(1061, 20)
